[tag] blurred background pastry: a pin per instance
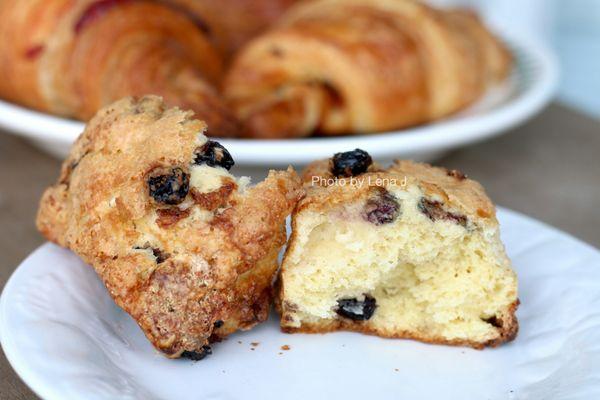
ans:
(362, 66)
(70, 58)
(232, 23)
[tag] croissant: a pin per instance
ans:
(361, 66)
(233, 22)
(70, 58)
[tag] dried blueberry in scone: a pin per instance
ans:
(355, 309)
(411, 251)
(350, 163)
(186, 248)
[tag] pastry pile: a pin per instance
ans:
(190, 251)
(362, 66)
(313, 67)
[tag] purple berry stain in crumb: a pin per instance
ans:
(355, 309)
(213, 154)
(382, 208)
(197, 355)
(434, 210)
(350, 163)
(170, 188)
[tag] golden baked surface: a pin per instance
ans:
(362, 66)
(182, 245)
(71, 58)
(260, 68)
(411, 251)
(234, 22)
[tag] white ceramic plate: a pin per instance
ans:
(526, 92)
(66, 338)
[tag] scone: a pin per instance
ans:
(411, 251)
(187, 249)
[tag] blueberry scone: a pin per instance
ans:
(186, 248)
(411, 251)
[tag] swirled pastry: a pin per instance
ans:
(70, 58)
(361, 66)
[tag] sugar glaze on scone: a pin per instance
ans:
(182, 245)
(411, 251)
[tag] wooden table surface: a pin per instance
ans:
(548, 168)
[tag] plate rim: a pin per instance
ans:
(445, 134)
(28, 376)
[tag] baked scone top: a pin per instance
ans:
(147, 200)
(451, 187)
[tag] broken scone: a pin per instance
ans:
(411, 251)
(182, 245)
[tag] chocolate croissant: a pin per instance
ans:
(72, 57)
(360, 66)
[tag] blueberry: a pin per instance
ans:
(350, 163)
(214, 155)
(197, 355)
(382, 208)
(170, 188)
(356, 310)
(435, 211)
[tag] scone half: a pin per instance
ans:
(412, 251)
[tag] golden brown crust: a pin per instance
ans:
(453, 186)
(506, 333)
(176, 268)
(72, 57)
(496, 57)
(215, 199)
(361, 66)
